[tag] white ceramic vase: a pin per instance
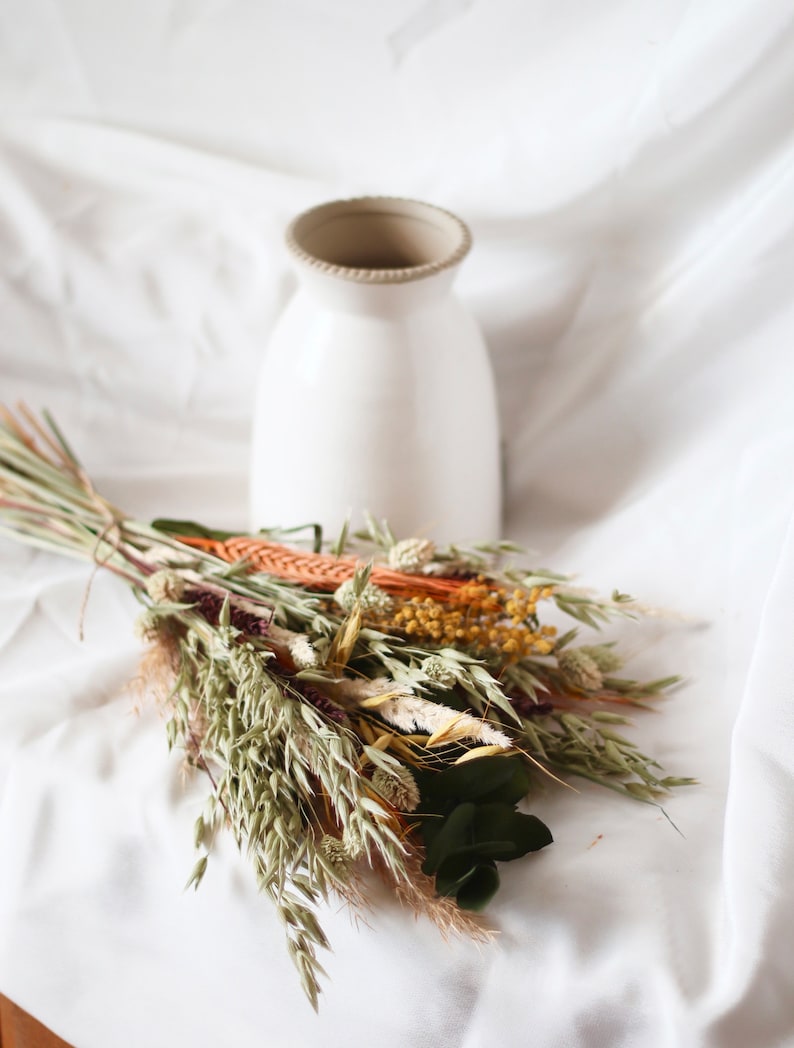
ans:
(376, 391)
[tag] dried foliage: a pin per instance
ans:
(383, 706)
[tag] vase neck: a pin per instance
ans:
(334, 292)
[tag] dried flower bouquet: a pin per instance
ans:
(384, 705)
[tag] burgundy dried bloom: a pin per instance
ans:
(209, 607)
(527, 707)
(321, 702)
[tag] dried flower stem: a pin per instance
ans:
(289, 700)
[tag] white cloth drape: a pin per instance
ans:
(628, 173)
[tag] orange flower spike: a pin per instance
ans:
(321, 571)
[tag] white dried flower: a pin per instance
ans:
(410, 713)
(603, 656)
(302, 651)
(371, 599)
(398, 787)
(354, 846)
(411, 555)
(349, 690)
(165, 587)
(147, 626)
(336, 856)
(438, 672)
(580, 669)
(297, 644)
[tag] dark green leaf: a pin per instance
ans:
(454, 872)
(501, 850)
(455, 833)
(494, 823)
(513, 789)
(488, 778)
(478, 889)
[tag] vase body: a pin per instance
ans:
(376, 392)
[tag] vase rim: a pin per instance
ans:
(454, 233)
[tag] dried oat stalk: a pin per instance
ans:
(381, 706)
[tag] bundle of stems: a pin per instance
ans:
(383, 705)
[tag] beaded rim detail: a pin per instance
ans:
(363, 205)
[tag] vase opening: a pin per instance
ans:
(379, 239)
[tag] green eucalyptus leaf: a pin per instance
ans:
(431, 826)
(513, 789)
(488, 778)
(501, 850)
(455, 833)
(494, 823)
(478, 889)
(453, 873)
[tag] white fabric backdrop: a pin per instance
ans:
(627, 169)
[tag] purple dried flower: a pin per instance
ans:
(527, 707)
(321, 702)
(209, 607)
